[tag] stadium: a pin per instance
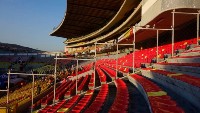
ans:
(121, 56)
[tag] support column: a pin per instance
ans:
(55, 76)
(116, 61)
(157, 46)
(197, 29)
(32, 95)
(134, 31)
(173, 33)
(95, 58)
(8, 90)
(76, 76)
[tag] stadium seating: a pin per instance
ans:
(111, 72)
(102, 75)
(62, 90)
(158, 100)
(82, 103)
(23, 95)
(122, 98)
(180, 73)
(49, 98)
(83, 83)
(69, 104)
(72, 89)
(99, 100)
(53, 108)
(69, 88)
(187, 68)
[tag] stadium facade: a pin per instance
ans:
(86, 23)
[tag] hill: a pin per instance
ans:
(6, 47)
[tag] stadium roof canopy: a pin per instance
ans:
(86, 16)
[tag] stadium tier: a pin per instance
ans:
(122, 56)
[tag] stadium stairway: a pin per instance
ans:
(137, 103)
(179, 74)
(192, 51)
(191, 55)
(177, 82)
(129, 93)
(157, 99)
(186, 68)
(184, 59)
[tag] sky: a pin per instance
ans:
(29, 22)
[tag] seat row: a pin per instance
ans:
(24, 93)
(66, 89)
(72, 89)
(48, 99)
(123, 69)
(91, 83)
(101, 74)
(83, 84)
(50, 108)
(63, 90)
(121, 102)
(146, 55)
(111, 72)
(99, 101)
(60, 107)
(67, 106)
(83, 102)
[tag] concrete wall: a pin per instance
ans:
(152, 8)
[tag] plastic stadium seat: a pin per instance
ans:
(99, 100)
(122, 98)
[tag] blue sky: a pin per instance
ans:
(29, 23)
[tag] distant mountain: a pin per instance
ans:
(5, 47)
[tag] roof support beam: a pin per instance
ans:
(79, 26)
(84, 21)
(98, 8)
(103, 18)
